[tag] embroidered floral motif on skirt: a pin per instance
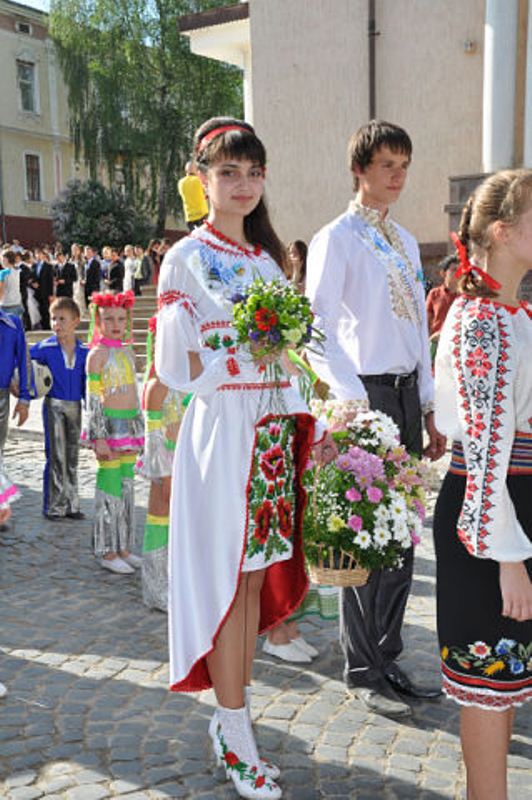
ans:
(495, 675)
(271, 495)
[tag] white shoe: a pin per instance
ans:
(116, 565)
(305, 646)
(236, 751)
(3, 690)
(132, 560)
(270, 770)
(286, 652)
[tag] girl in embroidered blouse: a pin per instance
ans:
(483, 518)
(114, 429)
(235, 557)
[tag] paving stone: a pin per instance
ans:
(25, 793)
(20, 779)
(89, 715)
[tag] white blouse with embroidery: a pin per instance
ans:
(483, 397)
(365, 283)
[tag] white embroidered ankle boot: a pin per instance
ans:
(271, 770)
(236, 751)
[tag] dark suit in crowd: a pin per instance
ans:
(43, 283)
(92, 278)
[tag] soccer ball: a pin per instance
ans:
(40, 381)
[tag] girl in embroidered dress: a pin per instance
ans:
(483, 518)
(114, 429)
(235, 516)
(163, 409)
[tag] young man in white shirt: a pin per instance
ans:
(365, 281)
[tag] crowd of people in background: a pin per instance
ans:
(40, 274)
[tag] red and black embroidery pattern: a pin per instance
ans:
(482, 363)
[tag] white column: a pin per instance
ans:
(248, 87)
(527, 155)
(500, 54)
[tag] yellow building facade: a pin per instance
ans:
(36, 152)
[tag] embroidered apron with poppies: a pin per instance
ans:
(271, 494)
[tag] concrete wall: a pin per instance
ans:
(430, 86)
(310, 92)
(308, 96)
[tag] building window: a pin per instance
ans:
(26, 85)
(23, 27)
(33, 177)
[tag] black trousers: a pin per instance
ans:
(371, 616)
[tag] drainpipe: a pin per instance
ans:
(372, 34)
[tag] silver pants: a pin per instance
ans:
(155, 578)
(4, 417)
(62, 427)
(113, 529)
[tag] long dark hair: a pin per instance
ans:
(239, 143)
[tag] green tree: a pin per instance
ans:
(90, 213)
(136, 93)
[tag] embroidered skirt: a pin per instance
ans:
(486, 658)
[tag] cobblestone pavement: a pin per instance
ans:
(88, 714)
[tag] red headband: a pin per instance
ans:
(120, 300)
(207, 139)
(466, 267)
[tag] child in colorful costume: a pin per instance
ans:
(114, 428)
(65, 356)
(163, 413)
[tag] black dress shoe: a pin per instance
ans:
(76, 515)
(53, 517)
(402, 684)
(381, 699)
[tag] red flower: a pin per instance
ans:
(265, 319)
(231, 759)
(260, 781)
(152, 324)
(284, 512)
(272, 462)
(479, 363)
(271, 488)
(232, 367)
(263, 521)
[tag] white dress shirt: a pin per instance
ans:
(365, 282)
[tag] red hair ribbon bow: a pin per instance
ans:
(466, 266)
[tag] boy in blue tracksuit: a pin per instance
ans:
(13, 355)
(65, 357)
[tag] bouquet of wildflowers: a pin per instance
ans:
(370, 501)
(272, 317)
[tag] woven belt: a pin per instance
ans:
(520, 457)
(406, 380)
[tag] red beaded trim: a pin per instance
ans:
(174, 296)
(208, 326)
(253, 250)
(486, 699)
(250, 387)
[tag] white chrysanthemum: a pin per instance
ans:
(381, 515)
(381, 536)
(363, 539)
